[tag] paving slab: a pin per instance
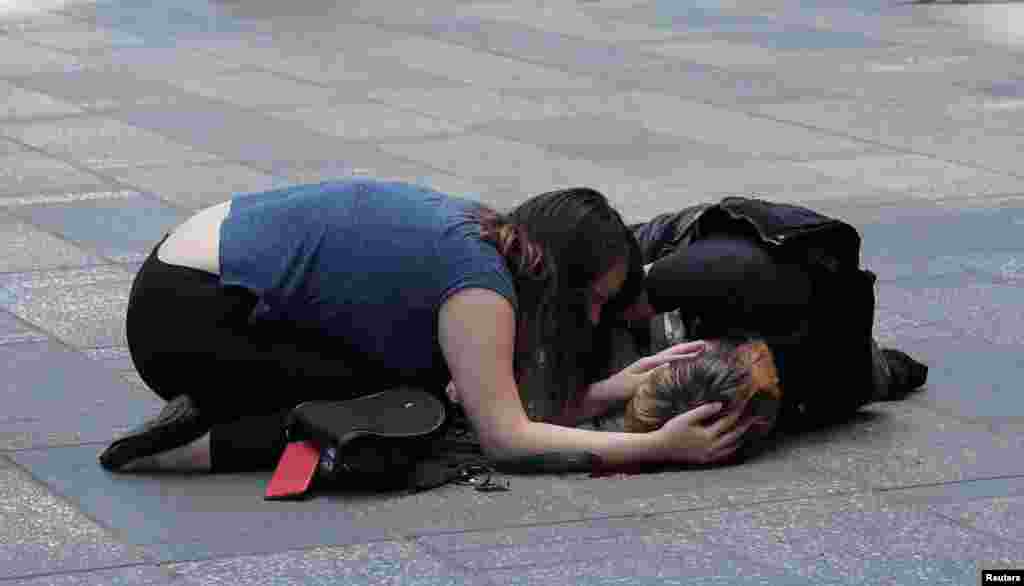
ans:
(955, 386)
(240, 135)
(526, 41)
(192, 517)
(353, 73)
(14, 330)
(609, 141)
(572, 21)
(902, 127)
(381, 562)
(605, 550)
(40, 18)
(920, 176)
(713, 85)
(192, 187)
(257, 89)
(466, 65)
(162, 25)
(101, 142)
(26, 173)
(471, 105)
(997, 267)
(1002, 516)
(120, 229)
(97, 88)
(781, 181)
(664, 561)
(957, 495)
(73, 399)
(115, 357)
(711, 124)
(898, 444)
(910, 236)
(82, 307)
(19, 57)
(20, 103)
(503, 163)
(690, 17)
(729, 54)
(43, 534)
(76, 35)
(854, 540)
(29, 248)
(138, 575)
(771, 476)
(989, 311)
(368, 122)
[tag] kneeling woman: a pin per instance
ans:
(342, 289)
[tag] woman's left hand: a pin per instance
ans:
(625, 383)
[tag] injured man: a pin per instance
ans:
(787, 314)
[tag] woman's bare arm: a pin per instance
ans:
(476, 330)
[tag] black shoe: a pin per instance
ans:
(178, 424)
(906, 373)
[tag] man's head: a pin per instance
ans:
(739, 372)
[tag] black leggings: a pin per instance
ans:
(188, 334)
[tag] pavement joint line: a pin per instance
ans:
(97, 443)
(120, 261)
(740, 110)
(59, 157)
(908, 487)
(615, 83)
(94, 265)
(113, 532)
(838, 134)
(820, 494)
(446, 557)
(967, 526)
(643, 515)
(986, 422)
(83, 571)
(238, 556)
(17, 201)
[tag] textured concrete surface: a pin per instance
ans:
(118, 118)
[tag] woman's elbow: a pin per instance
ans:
(505, 441)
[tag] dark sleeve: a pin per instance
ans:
(654, 235)
(662, 234)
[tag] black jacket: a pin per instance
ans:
(827, 374)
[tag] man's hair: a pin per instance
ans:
(734, 369)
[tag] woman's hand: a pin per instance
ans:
(622, 386)
(690, 438)
(625, 383)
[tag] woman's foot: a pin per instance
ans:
(192, 457)
(906, 374)
(168, 438)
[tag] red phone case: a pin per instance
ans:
(295, 470)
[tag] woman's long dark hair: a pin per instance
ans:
(556, 245)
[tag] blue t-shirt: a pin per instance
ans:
(366, 262)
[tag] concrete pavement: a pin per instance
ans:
(119, 118)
